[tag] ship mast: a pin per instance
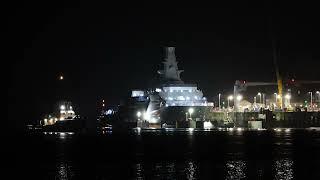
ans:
(171, 72)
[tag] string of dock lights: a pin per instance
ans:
(281, 129)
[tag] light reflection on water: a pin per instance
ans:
(236, 169)
(191, 170)
(64, 171)
(164, 169)
(283, 169)
(139, 171)
(168, 169)
(189, 154)
(63, 168)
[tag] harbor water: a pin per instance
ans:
(170, 154)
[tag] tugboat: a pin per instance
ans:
(63, 121)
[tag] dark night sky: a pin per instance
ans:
(104, 50)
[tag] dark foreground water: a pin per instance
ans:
(170, 155)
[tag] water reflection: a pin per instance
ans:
(169, 169)
(63, 168)
(139, 171)
(62, 171)
(236, 169)
(62, 135)
(283, 169)
(165, 169)
(190, 170)
(187, 154)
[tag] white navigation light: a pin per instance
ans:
(110, 111)
(62, 107)
(239, 97)
(288, 96)
(139, 114)
(146, 116)
(190, 110)
(230, 97)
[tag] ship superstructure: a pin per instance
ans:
(173, 90)
(65, 113)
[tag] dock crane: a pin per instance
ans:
(279, 78)
(300, 82)
(242, 85)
